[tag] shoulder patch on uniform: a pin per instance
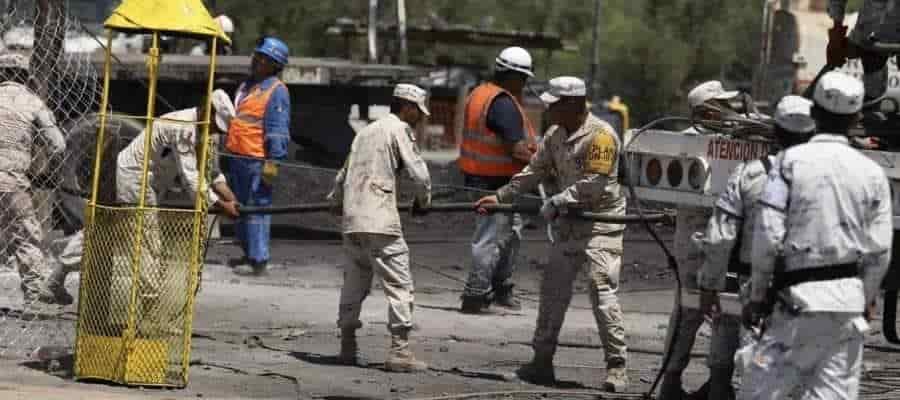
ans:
(602, 154)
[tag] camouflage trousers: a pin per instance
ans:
(601, 257)
(23, 238)
(814, 355)
(387, 255)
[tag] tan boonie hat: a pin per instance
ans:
(564, 86)
(412, 93)
(793, 113)
(710, 90)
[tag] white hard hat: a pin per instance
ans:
(839, 93)
(564, 86)
(225, 23)
(14, 60)
(412, 93)
(711, 90)
(793, 114)
(514, 59)
(223, 108)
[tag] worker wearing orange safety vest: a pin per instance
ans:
(498, 142)
(259, 134)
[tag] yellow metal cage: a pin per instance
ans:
(141, 262)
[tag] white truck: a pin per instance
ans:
(692, 170)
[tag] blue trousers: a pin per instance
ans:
(253, 231)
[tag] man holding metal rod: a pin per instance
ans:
(581, 152)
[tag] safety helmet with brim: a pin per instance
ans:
(839, 93)
(710, 90)
(514, 59)
(794, 114)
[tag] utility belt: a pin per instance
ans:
(784, 279)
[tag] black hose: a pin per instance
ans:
(673, 263)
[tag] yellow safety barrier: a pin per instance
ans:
(141, 264)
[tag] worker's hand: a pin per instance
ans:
(230, 208)
(486, 201)
(753, 314)
(420, 207)
(838, 46)
(709, 303)
(871, 311)
(269, 172)
(549, 211)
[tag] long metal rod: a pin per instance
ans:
(595, 52)
(373, 31)
(401, 31)
(451, 207)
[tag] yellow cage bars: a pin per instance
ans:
(141, 263)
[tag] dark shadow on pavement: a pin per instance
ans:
(62, 367)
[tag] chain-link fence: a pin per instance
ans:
(49, 92)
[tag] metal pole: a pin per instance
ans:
(401, 31)
(595, 52)
(373, 31)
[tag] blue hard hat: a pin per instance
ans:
(274, 49)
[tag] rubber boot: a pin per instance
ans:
(616, 376)
(56, 284)
(474, 305)
(670, 389)
(401, 358)
(539, 371)
(504, 297)
(350, 354)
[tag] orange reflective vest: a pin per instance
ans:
(483, 152)
(246, 135)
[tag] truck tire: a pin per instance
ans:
(889, 319)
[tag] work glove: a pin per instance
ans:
(269, 172)
(753, 314)
(420, 207)
(838, 46)
(551, 208)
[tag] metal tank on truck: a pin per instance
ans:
(692, 170)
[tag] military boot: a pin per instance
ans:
(670, 389)
(37, 293)
(616, 376)
(504, 297)
(401, 358)
(474, 304)
(56, 284)
(539, 371)
(350, 354)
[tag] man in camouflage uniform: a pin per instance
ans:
(25, 124)
(726, 243)
(365, 194)
(581, 152)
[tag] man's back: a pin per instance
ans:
(378, 152)
(838, 212)
(22, 113)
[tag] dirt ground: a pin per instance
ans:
(275, 337)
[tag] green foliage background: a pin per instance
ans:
(652, 51)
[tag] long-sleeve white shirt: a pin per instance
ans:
(824, 204)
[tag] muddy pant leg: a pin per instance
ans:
(604, 263)
(556, 294)
(70, 256)
(25, 238)
(357, 281)
(510, 232)
(390, 257)
(724, 343)
(485, 253)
